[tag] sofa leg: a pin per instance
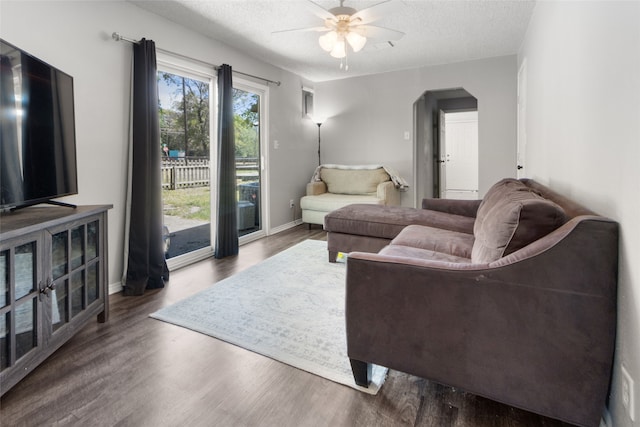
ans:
(333, 256)
(361, 372)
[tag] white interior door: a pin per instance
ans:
(442, 149)
(459, 153)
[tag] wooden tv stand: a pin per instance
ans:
(53, 280)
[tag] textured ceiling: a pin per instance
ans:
(436, 32)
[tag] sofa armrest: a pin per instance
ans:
(388, 192)
(536, 332)
(316, 187)
(453, 206)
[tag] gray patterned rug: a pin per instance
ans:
(290, 307)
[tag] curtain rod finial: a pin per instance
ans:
(117, 37)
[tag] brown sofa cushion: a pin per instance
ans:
(387, 221)
(436, 240)
(409, 252)
(510, 217)
(353, 181)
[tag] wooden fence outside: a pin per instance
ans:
(187, 172)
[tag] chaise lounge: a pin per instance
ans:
(336, 186)
(512, 298)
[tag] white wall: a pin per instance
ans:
(76, 37)
(583, 137)
(369, 115)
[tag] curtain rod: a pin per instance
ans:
(117, 37)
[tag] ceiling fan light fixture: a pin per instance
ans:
(356, 41)
(328, 41)
(347, 29)
(339, 51)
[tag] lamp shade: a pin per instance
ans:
(328, 41)
(339, 51)
(356, 41)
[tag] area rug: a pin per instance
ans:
(289, 307)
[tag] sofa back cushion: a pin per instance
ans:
(510, 217)
(353, 181)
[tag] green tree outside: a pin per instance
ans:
(188, 115)
(190, 98)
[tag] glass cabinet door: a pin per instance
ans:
(5, 318)
(19, 309)
(52, 282)
(93, 280)
(74, 266)
(59, 276)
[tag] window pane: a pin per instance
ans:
(77, 292)
(59, 250)
(185, 144)
(77, 247)
(246, 117)
(4, 341)
(4, 278)
(25, 327)
(92, 240)
(59, 305)
(92, 283)
(25, 270)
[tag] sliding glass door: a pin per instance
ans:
(185, 139)
(187, 103)
(248, 109)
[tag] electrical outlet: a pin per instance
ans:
(291, 204)
(628, 398)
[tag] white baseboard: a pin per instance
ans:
(285, 227)
(114, 288)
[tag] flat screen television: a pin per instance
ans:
(37, 131)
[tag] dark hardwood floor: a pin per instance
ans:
(137, 371)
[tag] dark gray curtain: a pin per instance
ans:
(146, 265)
(227, 227)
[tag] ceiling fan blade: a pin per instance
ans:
(302, 30)
(376, 12)
(319, 11)
(379, 33)
(378, 45)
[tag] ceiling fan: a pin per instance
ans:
(347, 27)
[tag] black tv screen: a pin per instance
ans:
(37, 134)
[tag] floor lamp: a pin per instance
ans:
(319, 124)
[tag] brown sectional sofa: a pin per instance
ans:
(512, 298)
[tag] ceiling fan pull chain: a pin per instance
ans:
(344, 61)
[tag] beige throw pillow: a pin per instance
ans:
(353, 181)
